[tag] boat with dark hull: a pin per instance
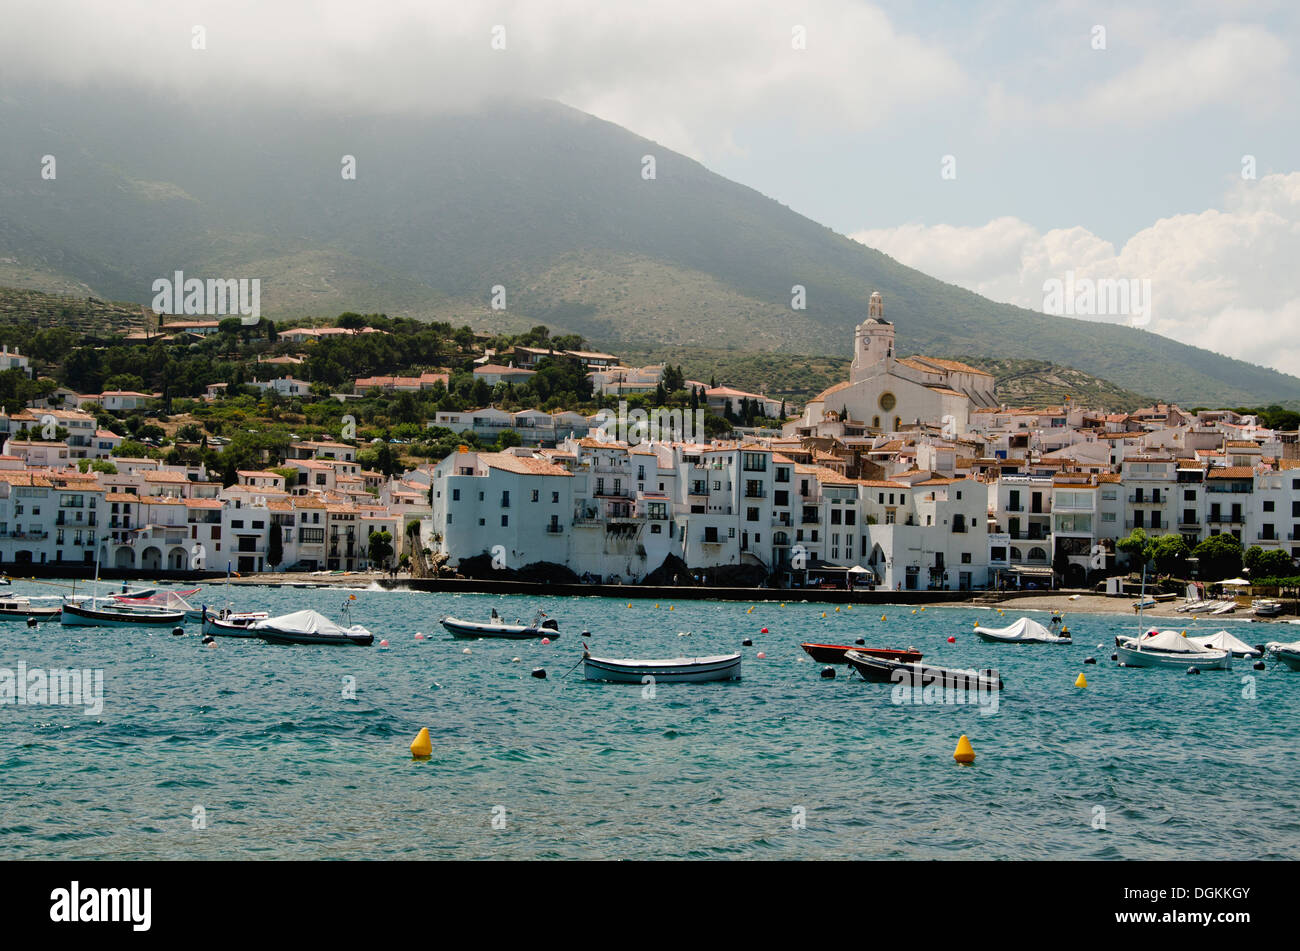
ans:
(496, 627)
(834, 653)
(101, 614)
(882, 670)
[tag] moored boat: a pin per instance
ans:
(15, 608)
(309, 627)
(495, 626)
(669, 670)
(1170, 649)
(100, 614)
(834, 653)
(1025, 631)
(232, 624)
(882, 670)
(1266, 607)
(1288, 654)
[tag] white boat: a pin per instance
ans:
(96, 613)
(495, 626)
(1171, 649)
(1024, 631)
(15, 608)
(1223, 641)
(1288, 654)
(309, 627)
(1266, 607)
(1224, 607)
(232, 623)
(670, 670)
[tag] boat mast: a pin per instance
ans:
(1142, 600)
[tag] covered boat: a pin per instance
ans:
(1024, 631)
(671, 670)
(1288, 654)
(834, 653)
(882, 670)
(1170, 649)
(309, 627)
(1223, 641)
(495, 626)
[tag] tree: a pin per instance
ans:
(275, 546)
(1219, 557)
(380, 548)
(1270, 563)
(1136, 546)
(1170, 553)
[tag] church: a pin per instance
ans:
(886, 392)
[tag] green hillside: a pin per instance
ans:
(540, 199)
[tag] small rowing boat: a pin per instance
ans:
(881, 670)
(671, 670)
(834, 653)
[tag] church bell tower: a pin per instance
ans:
(873, 341)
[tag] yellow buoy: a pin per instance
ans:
(823, 614)
(977, 623)
(964, 753)
(656, 604)
(1081, 681)
(837, 610)
(882, 617)
(849, 608)
(422, 746)
(922, 609)
(670, 607)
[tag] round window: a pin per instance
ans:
(887, 401)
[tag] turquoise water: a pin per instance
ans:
(262, 740)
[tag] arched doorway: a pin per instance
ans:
(125, 558)
(177, 560)
(151, 560)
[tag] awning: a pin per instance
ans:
(1043, 570)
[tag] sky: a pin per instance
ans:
(1001, 146)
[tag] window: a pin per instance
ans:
(455, 495)
(555, 498)
(505, 520)
(754, 461)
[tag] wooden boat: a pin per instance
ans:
(100, 614)
(541, 626)
(1170, 649)
(881, 670)
(1288, 654)
(309, 627)
(834, 653)
(671, 670)
(14, 608)
(1025, 631)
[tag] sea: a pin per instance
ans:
(249, 750)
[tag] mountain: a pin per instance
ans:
(541, 199)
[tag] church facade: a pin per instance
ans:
(886, 392)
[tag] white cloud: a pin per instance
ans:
(1225, 280)
(683, 72)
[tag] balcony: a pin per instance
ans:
(554, 529)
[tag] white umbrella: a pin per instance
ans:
(1236, 582)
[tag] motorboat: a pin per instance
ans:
(540, 626)
(882, 670)
(1170, 649)
(670, 670)
(16, 608)
(309, 627)
(232, 623)
(1025, 631)
(1288, 654)
(834, 653)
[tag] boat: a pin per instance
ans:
(1224, 607)
(16, 608)
(165, 600)
(1288, 654)
(540, 626)
(96, 613)
(309, 627)
(1025, 631)
(834, 653)
(1224, 641)
(232, 623)
(670, 670)
(1266, 607)
(882, 670)
(1170, 649)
